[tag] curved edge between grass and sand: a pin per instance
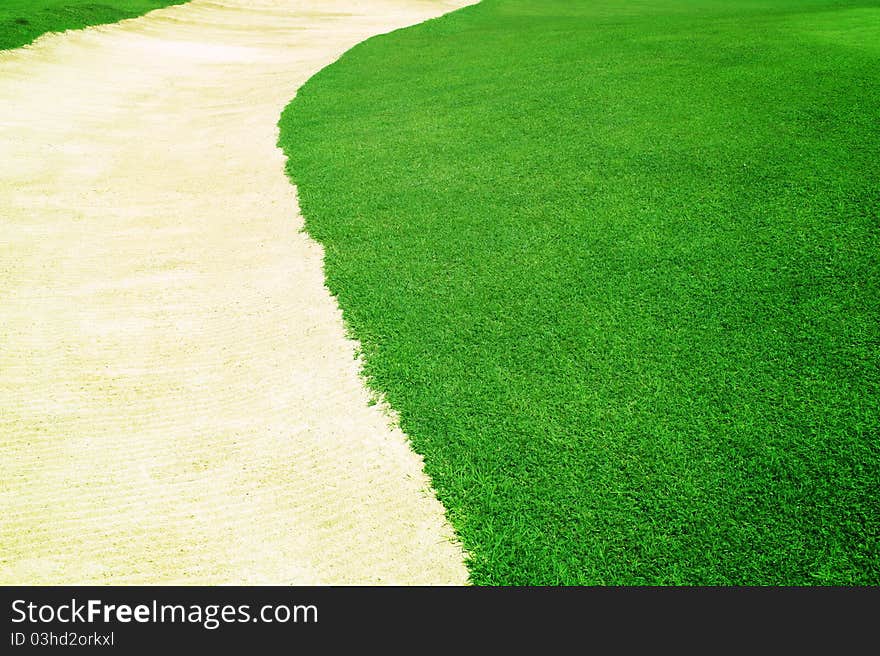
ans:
(211, 426)
(24, 21)
(615, 269)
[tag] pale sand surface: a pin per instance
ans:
(178, 401)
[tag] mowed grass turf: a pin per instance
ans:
(616, 265)
(22, 21)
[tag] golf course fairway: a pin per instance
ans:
(179, 403)
(615, 265)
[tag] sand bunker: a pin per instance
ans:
(178, 401)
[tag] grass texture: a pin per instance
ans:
(615, 263)
(22, 21)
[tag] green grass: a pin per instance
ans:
(22, 21)
(616, 265)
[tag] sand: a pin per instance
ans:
(179, 402)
